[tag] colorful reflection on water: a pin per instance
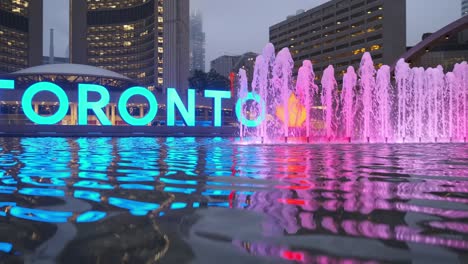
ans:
(120, 199)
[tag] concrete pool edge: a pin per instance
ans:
(114, 131)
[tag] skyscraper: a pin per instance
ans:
(132, 37)
(197, 43)
(20, 34)
(464, 7)
(176, 44)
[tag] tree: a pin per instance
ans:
(216, 81)
(198, 81)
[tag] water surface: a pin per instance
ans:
(198, 200)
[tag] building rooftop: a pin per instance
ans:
(70, 74)
(71, 69)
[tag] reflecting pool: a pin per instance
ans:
(213, 200)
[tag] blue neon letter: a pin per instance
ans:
(49, 87)
(217, 111)
(84, 105)
(152, 103)
(240, 115)
(7, 84)
(188, 114)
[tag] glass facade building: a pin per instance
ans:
(121, 36)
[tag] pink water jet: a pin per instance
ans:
(372, 104)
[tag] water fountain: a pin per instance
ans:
(403, 105)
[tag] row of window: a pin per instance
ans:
(330, 41)
(131, 62)
(112, 4)
(11, 58)
(7, 68)
(15, 6)
(326, 30)
(320, 16)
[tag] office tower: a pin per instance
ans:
(340, 31)
(133, 37)
(20, 34)
(197, 43)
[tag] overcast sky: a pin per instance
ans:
(239, 26)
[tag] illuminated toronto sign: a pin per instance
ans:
(187, 112)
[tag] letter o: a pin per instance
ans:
(240, 116)
(29, 94)
(152, 102)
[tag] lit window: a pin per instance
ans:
(127, 44)
(375, 47)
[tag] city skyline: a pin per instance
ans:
(256, 29)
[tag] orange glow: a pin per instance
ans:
(296, 111)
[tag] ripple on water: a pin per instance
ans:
(106, 198)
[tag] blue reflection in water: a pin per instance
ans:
(91, 216)
(5, 204)
(9, 181)
(182, 156)
(93, 175)
(44, 158)
(42, 192)
(7, 189)
(40, 215)
(49, 164)
(135, 207)
(298, 189)
(218, 204)
(95, 155)
(95, 158)
(141, 164)
(178, 205)
(6, 247)
(135, 179)
(179, 190)
(135, 186)
(53, 182)
(88, 195)
(183, 182)
(93, 185)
